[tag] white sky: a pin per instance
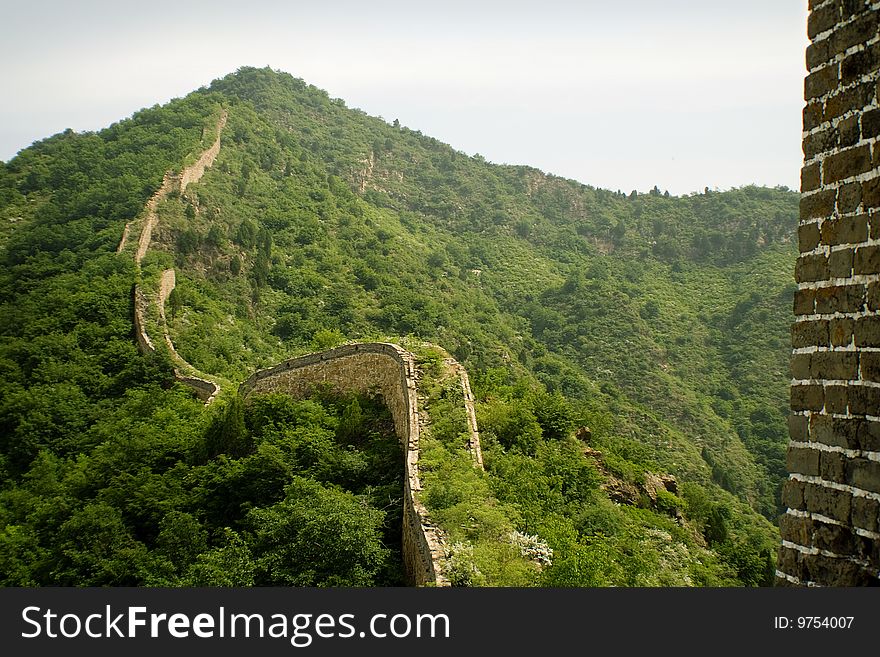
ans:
(622, 95)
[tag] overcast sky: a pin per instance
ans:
(622, 94)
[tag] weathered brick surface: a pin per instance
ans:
(840, 331)
(849, 196)
(840, 365)
(867, 331)
(838, 275)
(843, 299)
(817, 205)
(869, 363)
(836, 399)
(810, 333)
(844, 230)
(846, 163)
(805, 461)
(811, 177)
(867, 259)
(804, 302)
(840, 263)
(811, 268)
(807, 398)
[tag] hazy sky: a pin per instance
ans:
(622, 94)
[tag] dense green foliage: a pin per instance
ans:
(659, 322)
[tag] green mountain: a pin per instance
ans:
(611, 339)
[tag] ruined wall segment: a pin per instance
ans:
(390, 371)
(831, 528)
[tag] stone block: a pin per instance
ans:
(846, 163)
(867, 260)
(804, 302)
(864, 474)
(803, 461)
(836, 365)
(849, 197)
(867, 331)
(810, 333)
(836, 399)
(843, 298)
(840, 331)
(818, 204)
(807, 398)
(869, 365)
(811, 268)
(840, 263)
(845, 230)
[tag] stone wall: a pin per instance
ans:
(831, 529)
(205, 389)
(388, 370)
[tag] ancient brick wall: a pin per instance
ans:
(831, 528)
(390, 371)
(205, 389)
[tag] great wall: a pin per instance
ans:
(371, 368)
(831, 528)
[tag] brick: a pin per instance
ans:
(860, 63)
(818, 54)
(847, 163)
(871, 123)
(804, 302)
(867, 259)
(869, 366)
(857, 32)
(845, 230)
(811, 177)
(842, 299)
(811, 268)
(795, 529)
(840, 263)
(822, 20)
(864, 400)
(866, 513)
(832, 466)
(799, 427)
(864, 474)
(833, 538)
(812, 116)
(849, 132)
(836, 399)
(871, 193)
(824, 429)
(849, 197)
(810, 334)
(872, 296)
(808, 237)
(803, 461)
(867, 331)
(865, 435)
(835, 365)
(827, 501)
(820, 142)
(854, 98)
(840, 331)
(850, 432)
(807, 398)
(800, 366)
(874, 223)
(818, 205)
(793, 494)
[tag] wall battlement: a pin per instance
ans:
(831, 528)
(389, 370)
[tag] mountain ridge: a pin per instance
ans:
(652, 319)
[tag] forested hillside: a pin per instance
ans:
(612, 339)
